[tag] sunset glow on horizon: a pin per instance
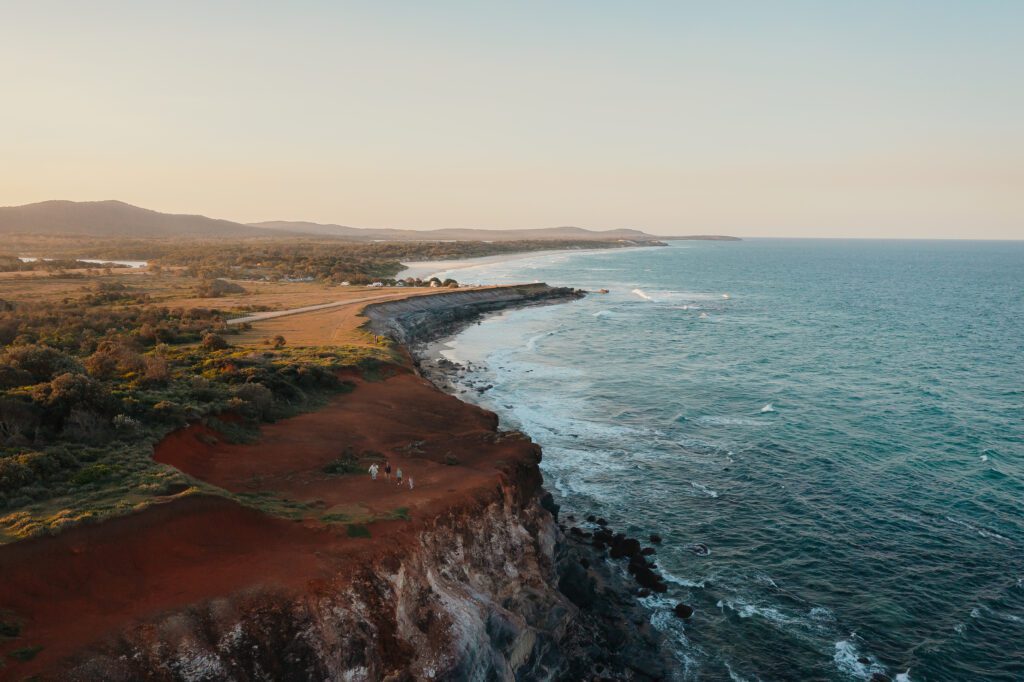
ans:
(840, 119)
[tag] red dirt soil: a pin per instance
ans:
(71, 590)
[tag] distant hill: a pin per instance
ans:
(454, 234)
(114, 219)
(118, 219)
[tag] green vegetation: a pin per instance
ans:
(26, 653)
(401, 513)
(215, 288)
(356, 530)
(317, 259)
(88, 386)
(9, 629)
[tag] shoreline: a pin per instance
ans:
(588, 551)
(360, 581)
(430, 268)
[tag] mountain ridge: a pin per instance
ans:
(114, 218)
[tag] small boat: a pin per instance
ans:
(602, 291)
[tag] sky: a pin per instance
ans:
(819, 119)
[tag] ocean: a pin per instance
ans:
(839, 422)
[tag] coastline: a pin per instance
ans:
(589, 554)
(427, 269)
(471, 576)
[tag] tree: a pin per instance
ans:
(157, 369)
(114, 355)
(258, 399)
(17, 420)
(278, 341)
(213, 341)
(215, 288)
(41, 362)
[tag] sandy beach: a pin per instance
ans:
(430, 268)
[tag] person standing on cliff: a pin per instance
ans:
(373, 471)
(398, 475)
(387, 471)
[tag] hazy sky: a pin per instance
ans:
(759, 118)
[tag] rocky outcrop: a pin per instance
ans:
(423, 318)
(487, 591)
(471, 597)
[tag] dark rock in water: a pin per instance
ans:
(656, 539)
(578, 586)
(661, 587)
(575, 531)
(591, 518)
(587, 534)
(700, 549)
(864, 660)
(643, 592)
(625, 547)
(602, 522)
(584, 562)
(645, 577)
(683, 610)
(548, 503)
(600, 545)
(648, 551)
(880, 677)
(570, 517)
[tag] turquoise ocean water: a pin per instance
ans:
(841, 423)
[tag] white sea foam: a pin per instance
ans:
(745, 609)
(641, 294)
(821, 615)
(703, 489)
(603, 313)
(730, 421)
(983, 532)
(768, 408)
(736, 677)
(682, 582)
(848, 660)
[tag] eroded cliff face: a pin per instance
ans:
(471, 595)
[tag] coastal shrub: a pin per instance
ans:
(356, 530)
(26, 653)
(257, 399)
(117, 355)
(213, 341)
(18, 420)
(348, 463)
(39, 362)
(215, 288)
